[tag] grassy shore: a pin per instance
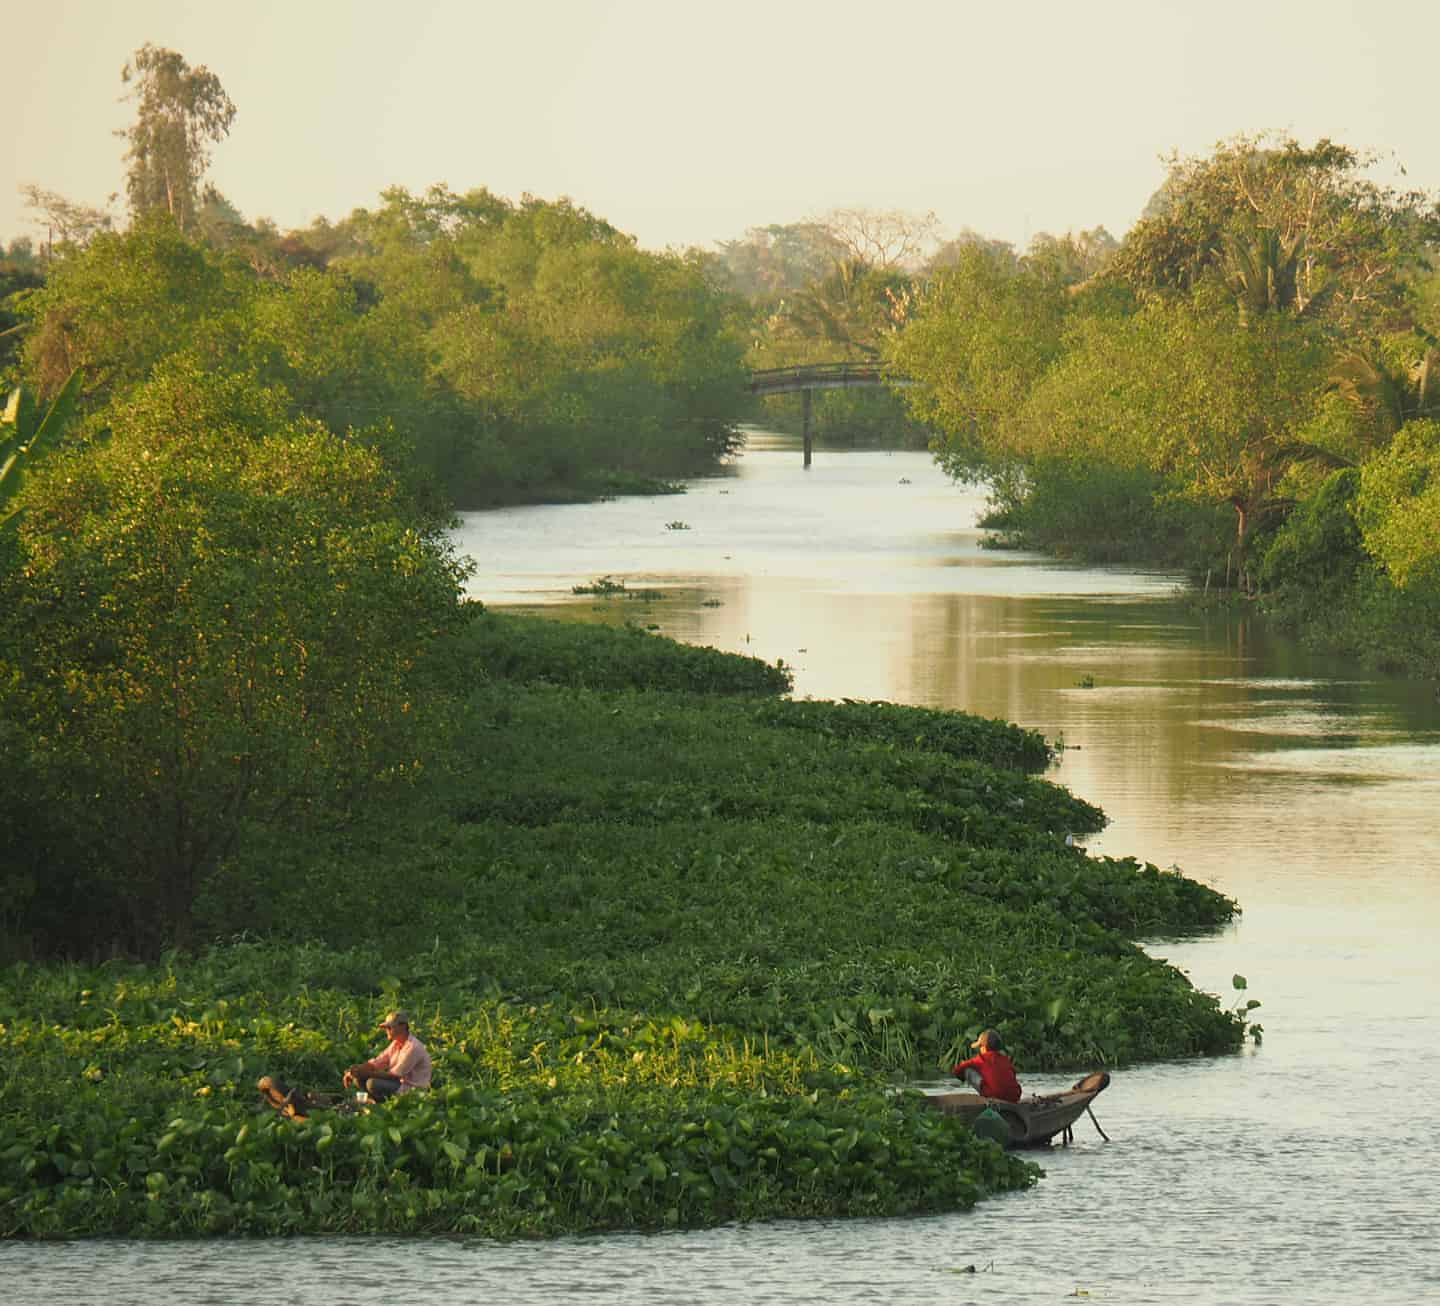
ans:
(672, 938)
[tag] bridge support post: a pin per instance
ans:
(805, 423)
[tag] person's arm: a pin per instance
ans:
(362, 1070)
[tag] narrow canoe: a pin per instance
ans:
(1033, 1121)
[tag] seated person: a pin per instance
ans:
(403, 1065)
(991, 1073)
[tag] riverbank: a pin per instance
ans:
(668, 948)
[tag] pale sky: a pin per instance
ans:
(684, 124)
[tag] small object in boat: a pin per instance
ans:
(990, 1125)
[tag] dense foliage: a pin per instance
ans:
(494, 645)
(522, 351)
(543, 1120)
(662, 946)
(1186, 396)
(212, 617)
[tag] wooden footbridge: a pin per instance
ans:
(809, 377)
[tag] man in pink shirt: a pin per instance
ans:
(403, 1065)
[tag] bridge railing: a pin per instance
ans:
(821, 376)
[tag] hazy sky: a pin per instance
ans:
(684, 123)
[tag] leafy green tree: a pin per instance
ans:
(128, 300)
(179, 111)
(586, 352)
(217, 620)
(1285, 226)
(346, 364)
(985, 333)
(1211, 404)
(1398, 506)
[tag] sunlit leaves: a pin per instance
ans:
(1398, 506)
(985, 334)
(221, 611)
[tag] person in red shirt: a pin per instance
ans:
(991, 1073)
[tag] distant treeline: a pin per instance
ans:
(517, 350)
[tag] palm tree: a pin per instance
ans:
(1262, 271)
(25, 432)
(1386, 392)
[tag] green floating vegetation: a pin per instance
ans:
(673, 941)
(535, 650)
(541, 1122)
(957, 734)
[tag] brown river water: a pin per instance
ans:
(1296, 1171)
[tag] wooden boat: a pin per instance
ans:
(1033, 1121)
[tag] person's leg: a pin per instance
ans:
(380, 1087)
(972, 1077)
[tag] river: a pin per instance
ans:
(1297, 1171)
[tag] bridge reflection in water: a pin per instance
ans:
(810, 377)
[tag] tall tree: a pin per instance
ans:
(128, 300)
(1286, 227)
(1215, 406)
(179, 111)
(883, 238)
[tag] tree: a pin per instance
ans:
(593, 354)
(1389, 382)
(847, 313)
(778, 259)
(1214, 405)
(985, 332)
(128, 300)
(1398, 506)
(1286, 227)
(217, 621)
(179, 110)
(65, 220)
(1070, 259)
(883, 238)
(967, 239)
